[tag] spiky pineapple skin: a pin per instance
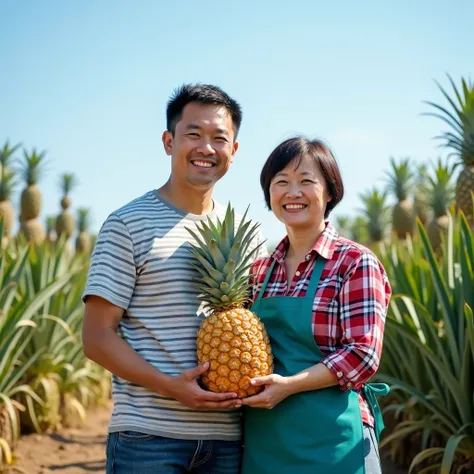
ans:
(65, 224)
(31, 200)
(403, 218)
(7, 213)
(437, 227)
(464, 188)
(83, 243)
(237, 347)
(33, 230)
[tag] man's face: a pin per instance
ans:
(202, 147)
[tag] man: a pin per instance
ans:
(141, 307)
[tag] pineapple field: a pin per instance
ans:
(419, 222)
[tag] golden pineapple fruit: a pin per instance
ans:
(231, 338)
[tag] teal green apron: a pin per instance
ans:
(319, 431)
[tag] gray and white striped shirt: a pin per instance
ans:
(141, 263)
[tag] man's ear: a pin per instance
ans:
(235, 147)
(167, 139)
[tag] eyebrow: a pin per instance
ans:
(219, 130)
(283, 173)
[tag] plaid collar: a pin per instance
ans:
(324, 246)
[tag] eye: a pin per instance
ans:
(308, 181)
(193, 135)
(221, 139)
(281, 182)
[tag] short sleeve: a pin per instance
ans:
(112, 271)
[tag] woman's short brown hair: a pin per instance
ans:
(297, 148)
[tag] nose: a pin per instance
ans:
(205, 148)
(294, 192)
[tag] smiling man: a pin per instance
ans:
(141, 307)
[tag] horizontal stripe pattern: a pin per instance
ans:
(141, 263)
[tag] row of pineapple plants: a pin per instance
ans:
(45, 380)
(424, 190)
(31, 169)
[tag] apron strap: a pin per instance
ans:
(316, 276)
(370, 391)
(265, 282)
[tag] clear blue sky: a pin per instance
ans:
(88, 81)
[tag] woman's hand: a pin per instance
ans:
(277, 388)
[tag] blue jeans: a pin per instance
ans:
(130, 452)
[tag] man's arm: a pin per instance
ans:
(103, 345)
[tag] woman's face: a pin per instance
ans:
(298, 196)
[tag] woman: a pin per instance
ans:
(323, 300)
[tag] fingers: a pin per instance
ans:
(221, 405)
(217, 397)
(257, 381)
(196, 372)
(259, 400)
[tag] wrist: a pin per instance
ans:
(164, 385)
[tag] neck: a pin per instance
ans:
(187, 198)
(302, 240)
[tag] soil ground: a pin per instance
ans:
(77, 451)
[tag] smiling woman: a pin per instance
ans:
(323, 301)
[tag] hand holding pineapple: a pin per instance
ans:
(186, 390)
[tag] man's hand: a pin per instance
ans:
(277, 388)
(185, 389)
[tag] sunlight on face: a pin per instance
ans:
(298, 194)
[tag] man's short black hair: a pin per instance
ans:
(297, 148)
(205, 94)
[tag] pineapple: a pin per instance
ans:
(83, 241)
(461, 139)
(7, 184)
(65, 222)
(231, 338)
(50, 224)
(376, 213)
(440, 197)
(31, 199)
(420, 204)
(399, 183)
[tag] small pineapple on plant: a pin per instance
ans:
(232, 338)
(7, 185)
(421, 207)
(400, 179)
(83, 240)
(31, 199)
(441, 194)
(376, 214)
(65, 222)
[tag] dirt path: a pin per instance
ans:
(75, 451)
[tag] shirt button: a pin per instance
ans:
(298, 273)
(308, 257)
(349, 385)
(339, 375)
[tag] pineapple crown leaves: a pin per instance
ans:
(460, 119)
(376, 212)
(7, 184)
(223, 259)
(400, 178)
(33, 166)
(67, 182)
(440, 187)
(7, 155)
(83, 219)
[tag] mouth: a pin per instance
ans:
(203, 164)
(294, 207)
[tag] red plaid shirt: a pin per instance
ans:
(349, 308)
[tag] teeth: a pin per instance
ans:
(295, 206)
(203, 164)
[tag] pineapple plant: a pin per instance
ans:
(65, 222)
(399, 182)
(83, 240)
(231, 337)
(376, 214)
(50, 228)
(7, 184)
(31, 198)
(461, 140)
(440, 196)
(421, 207)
